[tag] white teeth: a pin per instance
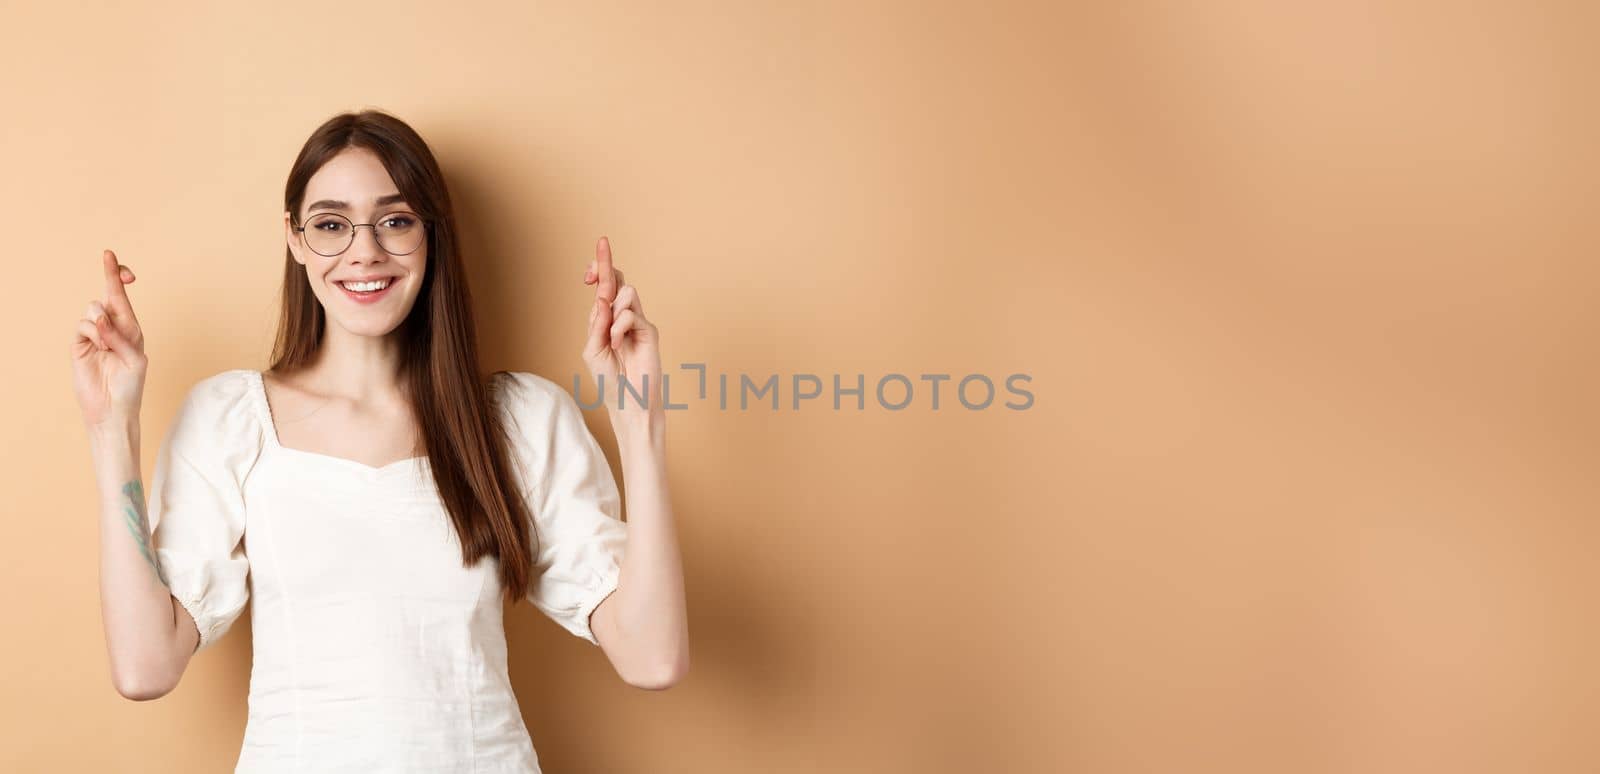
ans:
(365, 287)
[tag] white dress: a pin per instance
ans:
(375, 650)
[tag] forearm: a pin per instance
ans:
(136, 606)
(651, 616)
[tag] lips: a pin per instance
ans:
(366, 296)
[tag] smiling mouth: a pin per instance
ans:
(366, 287)
(366, 291)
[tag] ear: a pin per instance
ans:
(293, 238)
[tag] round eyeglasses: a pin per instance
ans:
(329, 234)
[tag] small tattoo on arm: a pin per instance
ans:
(133, 513)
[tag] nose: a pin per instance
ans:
(366, 247)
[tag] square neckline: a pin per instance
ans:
(264, 411)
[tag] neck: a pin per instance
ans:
(357, 367)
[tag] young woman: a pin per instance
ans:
(373, 496)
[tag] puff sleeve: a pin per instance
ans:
(572, 495)
(196, 501)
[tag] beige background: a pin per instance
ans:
(1307, 294)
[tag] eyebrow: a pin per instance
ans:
(335, 204)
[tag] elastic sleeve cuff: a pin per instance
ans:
(210, 627)
(607, 585)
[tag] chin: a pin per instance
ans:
(373, 323)
(368, 329)
(359, 327)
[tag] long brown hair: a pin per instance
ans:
(466, 445)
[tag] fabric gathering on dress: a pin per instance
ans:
(375, 649)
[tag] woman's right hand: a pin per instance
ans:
(108, 362)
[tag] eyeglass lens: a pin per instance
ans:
(330, 234)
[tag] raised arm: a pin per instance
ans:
(643, 625)
(149, 636)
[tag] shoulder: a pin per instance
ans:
(229, 391)
(230, 386)
(537, 410)
(523, 381)
(527, 394)
(548, 435)
(221, 409)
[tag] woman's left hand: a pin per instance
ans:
(622, 345)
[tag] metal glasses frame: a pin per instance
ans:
(373, 226)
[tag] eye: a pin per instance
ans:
(330, 225)
(398, 221)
